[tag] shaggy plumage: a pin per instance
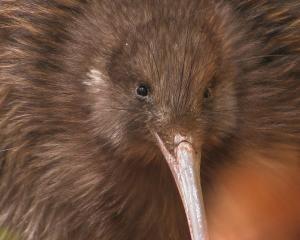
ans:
(77, 156)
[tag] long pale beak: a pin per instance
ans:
(185, 167)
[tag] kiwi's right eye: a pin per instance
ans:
(142, 90)
(207, 93)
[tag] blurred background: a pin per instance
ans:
(257, 199)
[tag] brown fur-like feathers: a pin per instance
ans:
(77, 156)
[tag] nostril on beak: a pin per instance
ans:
(180, 138)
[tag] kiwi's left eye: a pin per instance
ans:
(207, 93)
(142, 90)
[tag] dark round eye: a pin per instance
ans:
(142, 90)
(207, 93)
